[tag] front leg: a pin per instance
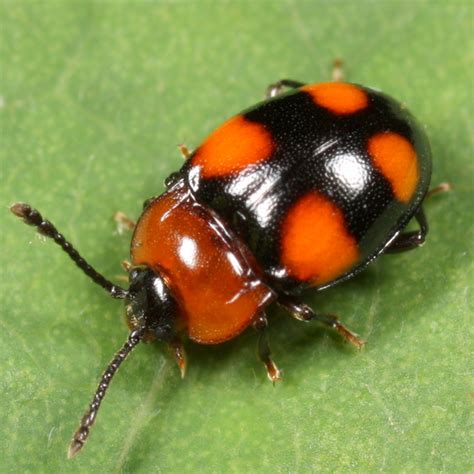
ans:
(303, 312)
(177, 348)
(124, 223)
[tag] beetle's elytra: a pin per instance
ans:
(302, 190)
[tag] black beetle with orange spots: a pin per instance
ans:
(302, 190)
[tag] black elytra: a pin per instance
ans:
(317, 149)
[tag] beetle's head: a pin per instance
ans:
(150, 305)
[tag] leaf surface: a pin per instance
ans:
(94, 99)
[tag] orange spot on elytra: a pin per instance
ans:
(316, 245)
(235, 145)
(396, 158)
(338, 97)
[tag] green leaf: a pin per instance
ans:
(95, 96)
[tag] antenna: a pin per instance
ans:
(82, 433)
(32, 217)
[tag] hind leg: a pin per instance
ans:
(276, 89)
(302, 312)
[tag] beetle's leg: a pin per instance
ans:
(127, 266)
(123, 222)
(441, 188)
(415, 239)
(303, 312)
(176, 346)
(276, 89)
(410, 240)
(337, 70)
(264, 353)
(184, 150)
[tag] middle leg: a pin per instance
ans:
(264, 353)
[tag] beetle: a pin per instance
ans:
(303, 190)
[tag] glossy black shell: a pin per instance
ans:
(316, 150)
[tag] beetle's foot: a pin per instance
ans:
(441, 188)
(180, 355)
(124, 223)
(273, 372)
(344, 331)
(184, 150)
(263, 348)
(338, 70)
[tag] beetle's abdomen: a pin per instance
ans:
(211, 272)
(316, 182)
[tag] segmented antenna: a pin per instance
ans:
(82, 433)
(32, 217)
